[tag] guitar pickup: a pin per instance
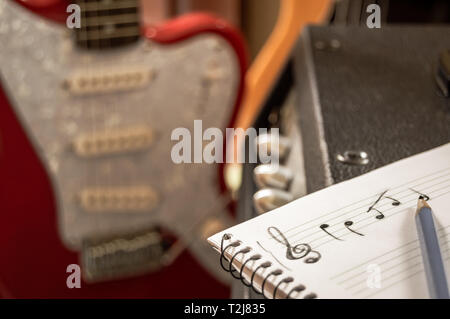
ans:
(118, 199)
(107, 81)
(118, 141)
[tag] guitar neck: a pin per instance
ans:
(108, 23)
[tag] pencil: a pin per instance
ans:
(431, 253)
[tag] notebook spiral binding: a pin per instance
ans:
(278, 272)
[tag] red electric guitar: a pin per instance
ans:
(86, 117)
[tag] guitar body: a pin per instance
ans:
(85, 153)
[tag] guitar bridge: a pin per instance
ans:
(111, 142)
(118, 199)
(122, 256)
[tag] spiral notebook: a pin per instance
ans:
(356, 239)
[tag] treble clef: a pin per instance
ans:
(299, 251)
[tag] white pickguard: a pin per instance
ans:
(195, 79)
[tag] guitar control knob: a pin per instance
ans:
(275, 176)
(279, 149)
(269, 198)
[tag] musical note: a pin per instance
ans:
(299, 251)
(380, 214)
(324, 228)
(425, 197)
(350, 223)
(376, 202)
(394, 201)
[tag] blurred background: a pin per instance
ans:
(196, 72)
(255, 18)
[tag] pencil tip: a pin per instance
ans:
(421, 203)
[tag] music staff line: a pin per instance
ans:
(352, 218)
(370, 198)
(407, 271)
(421, 270)
(363, 211)
(363, 226)
(273, 256)
(386, 270)
(417, 263)
(391, 285)
(406, 200)
(404, 262)
(411, 268)
(370, 223)
(442, 229)
(417, 254)
(368, 218)
(369, 201)
(364, 272)
(299, 251)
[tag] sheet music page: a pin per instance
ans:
(356, 239)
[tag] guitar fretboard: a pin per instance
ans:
(107, 23)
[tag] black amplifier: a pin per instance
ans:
(351, 100)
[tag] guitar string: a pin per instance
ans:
(136, 177)
(98, 34)
(106, 109)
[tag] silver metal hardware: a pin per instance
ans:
(320, 45)
(353, 158)
(280, 149)
(335, 44)
(269, 198)
(275, 176)
(122, 256)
